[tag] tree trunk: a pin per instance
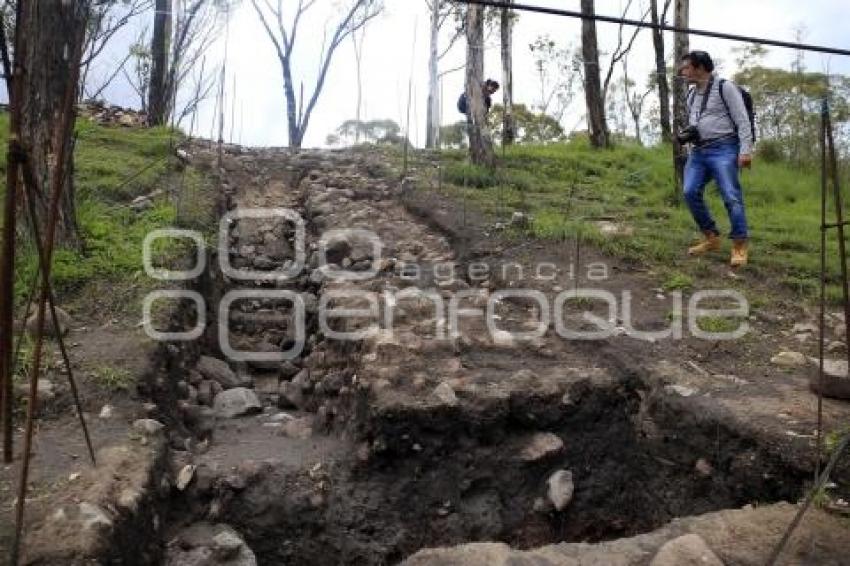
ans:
(480, 144)
(680, 90)
(51, 31)
(432, 131)
(508, 127)
(157, 95)
(661, 74)
(358, 54)
(596, 125)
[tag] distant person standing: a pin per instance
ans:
(488, 88)
(720, 131)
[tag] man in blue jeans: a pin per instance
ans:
(722, 142)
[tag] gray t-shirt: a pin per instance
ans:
(716, 122)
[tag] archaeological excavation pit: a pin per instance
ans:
(366, 451)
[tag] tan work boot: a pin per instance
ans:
(739, 253)
(710, 243)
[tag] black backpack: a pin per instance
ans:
(748, 104)
(461, 104)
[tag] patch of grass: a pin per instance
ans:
(568, 186)
(112, 166)
(718, 324)
(678, 282)
(112, 378)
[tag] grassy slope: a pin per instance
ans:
(113, 165)
(566, 187)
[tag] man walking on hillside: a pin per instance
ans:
(721, 134)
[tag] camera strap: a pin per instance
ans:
(704, 99)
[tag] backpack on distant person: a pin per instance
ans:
(748, 104)
(462, 106)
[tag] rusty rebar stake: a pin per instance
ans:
(829, 172)
(29, 188)
(66, 120)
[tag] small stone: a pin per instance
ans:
(185, 476)
(789, 359)
(446, 394)
(148, 427)
(541, 505)
(503, 339)
(520, 219)
(46, 390)
(195, 378)
(703, 468)
(680, 390)
(218, 371)
(541, 445)
(288, 370)
(299, 429)
(561, 489)
(290, 395)
(106, 412)
(129, 499)
(280, 417)
(236, 402)
(93, 517)
(64, 323)
(687, 550)
(835, 346)
(804, 327)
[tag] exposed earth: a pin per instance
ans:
(397, 432)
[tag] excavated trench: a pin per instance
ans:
(352, 474)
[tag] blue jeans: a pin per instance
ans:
(718, 162)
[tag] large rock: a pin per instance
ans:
(218, 370)
(236, 402)
(836, 383)
(64, 323)
(207, 544)
(687, 550)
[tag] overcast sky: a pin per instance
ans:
(396, 51)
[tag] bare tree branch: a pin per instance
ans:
(284, 40)
(621, 51)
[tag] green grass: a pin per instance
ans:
(112, 378)
(569, 188)
(678, 282)
(114, 165)
(718, 324)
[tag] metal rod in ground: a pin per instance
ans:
(577, 265)
(7, 265)
(29, 188)
(409, 99)
(822, 321)
(839, 215)
(821, 481)
(65, 125)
